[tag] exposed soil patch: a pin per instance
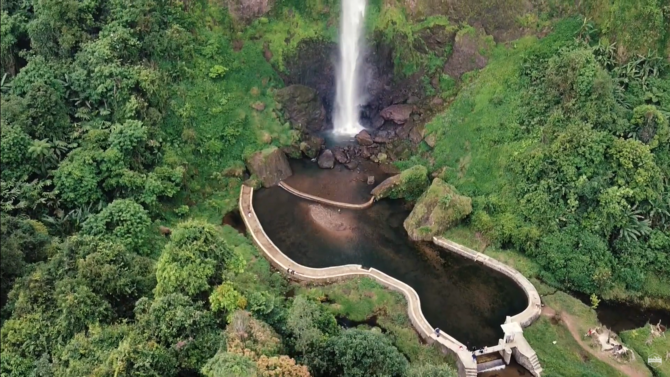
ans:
(570, 323)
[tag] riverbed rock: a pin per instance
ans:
(311, 145)
(438, 209)
(409, 184)
(302, 106)
(399, 114)
(371, 180)
(326, 160)
(363, 138)
(352, 165)
(340, 155)
(270, 166)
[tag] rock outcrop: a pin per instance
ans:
(248, 10)
(438, 209)
(466, 56)
(399, 114)
(302, 106)
(409, 184)
(326, 160)
(269, 166)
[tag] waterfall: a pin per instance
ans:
(348, 98)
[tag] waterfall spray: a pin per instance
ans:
(348, 96)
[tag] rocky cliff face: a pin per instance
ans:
(302, 106)
(269, 166)
(438, 209)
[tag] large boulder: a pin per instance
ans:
(302, 106)
(326, 160)
(270, 166)
(438, 209)
(363, 138)
(340, 155)
(399, 114)
(311, 145)
(409, 184)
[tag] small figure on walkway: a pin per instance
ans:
(292, 272)
(474, 357)
(288, 270)
(460, 348)
(249, 214)
(437, 332)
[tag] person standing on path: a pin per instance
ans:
(474, 357)
(437, 332)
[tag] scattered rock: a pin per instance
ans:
(382, 157)
(438, 209)
(437, 101)
(270, 166)
(340, 156)
(399, 114)
(365, 152)
(371, 180)
(363, 138)
(326, 160)
(383, 137)
(416, 134)
(258, 106)
(431, 140)
(410, 183)
(352, 165)
(403, 132)
(267, 53)
(302, 106)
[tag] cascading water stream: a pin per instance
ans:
(348, 97)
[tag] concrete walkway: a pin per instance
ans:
(317, 199)
(519, 347)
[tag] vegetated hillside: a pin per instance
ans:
(566, 152)
(121, 116)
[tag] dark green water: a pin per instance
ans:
(464, 299)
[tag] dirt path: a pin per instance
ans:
(570, 323)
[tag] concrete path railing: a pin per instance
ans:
(467, 367)
(317, 199)
(534, 308)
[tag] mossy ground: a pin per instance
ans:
(636, 339)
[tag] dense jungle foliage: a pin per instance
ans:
(120, 117)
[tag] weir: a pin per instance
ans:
(513, 343)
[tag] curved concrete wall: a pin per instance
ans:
(534, 308)
(317, 199)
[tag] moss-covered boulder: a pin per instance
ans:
(409, 184)
(270, 166)
(438, 209)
